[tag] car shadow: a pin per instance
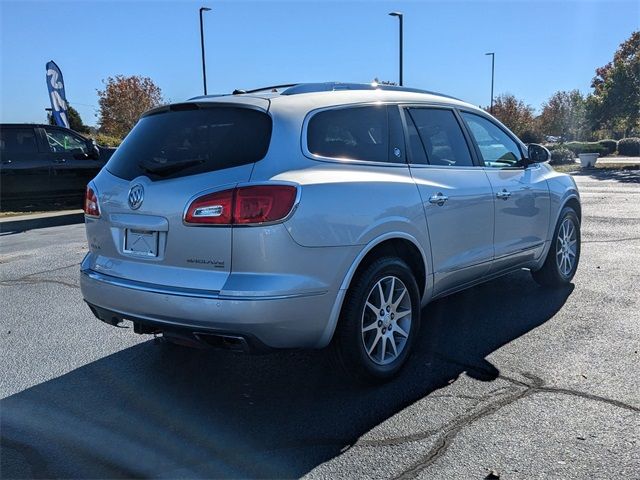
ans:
(157, 410)
(626, 174)
(41, 205)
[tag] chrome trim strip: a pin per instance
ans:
(522, 250)
(186, 292)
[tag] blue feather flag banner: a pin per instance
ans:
(55, 84)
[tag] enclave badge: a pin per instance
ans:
(136, 196)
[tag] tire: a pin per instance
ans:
(369, 324)
(564, 253)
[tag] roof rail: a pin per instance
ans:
(298, 88)
(333, 86)
(215, 95)
(272, 87)
(240, 91)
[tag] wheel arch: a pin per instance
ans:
(572, 200)
(574, 203)
(398, 244)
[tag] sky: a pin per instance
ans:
(540, 47)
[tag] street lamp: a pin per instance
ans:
(493, 63)
(204, 70)
(399, 15)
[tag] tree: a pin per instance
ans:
(615, 102)
(564, 115)
(75, 122)
(123, 101)
(514, 113)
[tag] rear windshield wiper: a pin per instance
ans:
(163, 169)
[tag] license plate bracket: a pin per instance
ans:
(141, 242)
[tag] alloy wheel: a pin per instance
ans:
(566, 247)
(386, 320)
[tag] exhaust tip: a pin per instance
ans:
(226, 342)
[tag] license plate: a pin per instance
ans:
(141, 242)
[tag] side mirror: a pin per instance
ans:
(538, 153)
(78, 154)
(93, 150)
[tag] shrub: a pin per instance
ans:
(629, 147)
(586, 147)
(610, 145)
(561, 156)
(531, 136)
(106, 140)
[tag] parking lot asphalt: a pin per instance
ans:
(508, 378)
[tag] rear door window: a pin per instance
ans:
(441, 136)
(357, 133)
(192, 140)
(18, 140)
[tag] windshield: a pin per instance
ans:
(176, 143)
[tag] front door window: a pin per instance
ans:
(498, 149)
(63, 142)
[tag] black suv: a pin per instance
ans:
(45, 162)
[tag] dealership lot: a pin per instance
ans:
(507, 377)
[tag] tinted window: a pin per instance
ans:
(396, 135)
(186, 142)
(356, 133)
(418, 156)
(442, 137)
(18, 140)
(496, 147)
(61, 141)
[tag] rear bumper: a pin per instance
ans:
(274, 321)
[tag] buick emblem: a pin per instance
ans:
(136, 196)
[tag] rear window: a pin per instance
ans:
(18, 140)
(354, 133)
(172, 144)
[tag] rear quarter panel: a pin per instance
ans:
(352, 208)
(343, 205)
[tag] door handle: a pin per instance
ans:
(504, 195)
(438, 199)
(60, 160)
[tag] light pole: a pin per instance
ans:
(493, 63)
(204, 69)
(399, 15)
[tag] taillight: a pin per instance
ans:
(263, 203)
(91, 208)
(243, 205)
(212, 209)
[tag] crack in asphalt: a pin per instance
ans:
(452, 430)
(613, 240)
(30, 280)
(519, 391)
(36, 281)
(537, 384)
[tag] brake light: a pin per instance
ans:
(263, 203)
(243, 205)
(91, 208)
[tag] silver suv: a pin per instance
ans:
(318, 214)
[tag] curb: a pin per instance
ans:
(42, 220)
